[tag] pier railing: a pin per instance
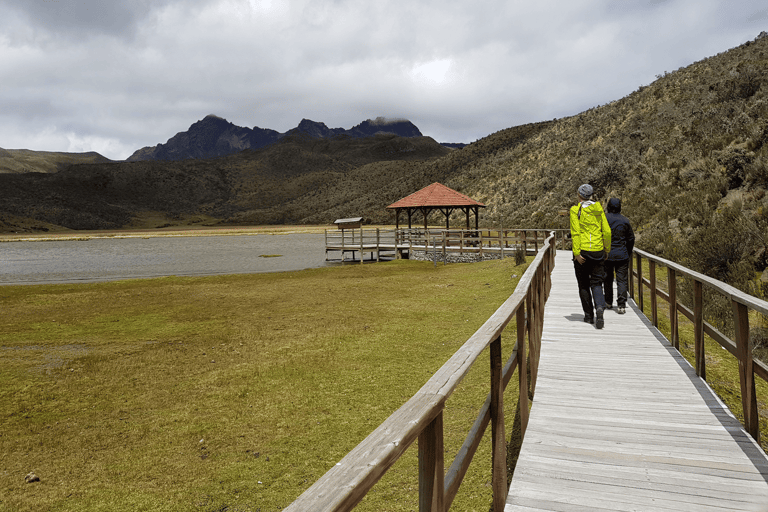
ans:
(469, 241)
(743, 306)
(479, 240)
(421, 418)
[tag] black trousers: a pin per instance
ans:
(621, 269)
(590, 277)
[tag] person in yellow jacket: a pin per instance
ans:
(591, 237)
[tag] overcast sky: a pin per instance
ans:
(116, 75)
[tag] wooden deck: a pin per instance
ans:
(391, 243)
(621, 422)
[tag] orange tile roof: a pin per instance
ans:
(435, 195)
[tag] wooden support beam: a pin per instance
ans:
(654, 302)
(431, 467)
(698, 329)
(522, 368)
(746, 369)
(639, 282)
(673, 318)
(498, 435)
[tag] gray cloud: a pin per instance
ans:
(115, 76)
(82, 18)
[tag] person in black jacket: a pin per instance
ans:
(622, 243)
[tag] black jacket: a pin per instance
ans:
(622, 236)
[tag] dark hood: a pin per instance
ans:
(614, 205)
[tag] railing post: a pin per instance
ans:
(673, 325)
(631, 278)
(746, 370)
(698, 329)
(445, 258)
(652, 278)
(498, 436)
(640, 282)
(432, 467)
(522, 368)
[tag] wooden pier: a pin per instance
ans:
(436, 244)
(620, 421)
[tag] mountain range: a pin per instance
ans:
(687, 154)
(213, 137)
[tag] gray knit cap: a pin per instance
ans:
(585, 191)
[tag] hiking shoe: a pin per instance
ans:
(621, 310)
(599, 323)
(588, 319)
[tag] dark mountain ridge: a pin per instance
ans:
(213, 137)
(252, 186)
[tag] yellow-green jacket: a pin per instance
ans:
(589, 228)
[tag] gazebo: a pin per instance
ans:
(436, 197)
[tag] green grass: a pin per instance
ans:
(232, 393)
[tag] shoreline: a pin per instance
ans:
(165, 232)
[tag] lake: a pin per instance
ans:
(110, 259)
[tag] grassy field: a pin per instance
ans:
(232, 393)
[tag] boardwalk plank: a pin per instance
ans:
(621, 422)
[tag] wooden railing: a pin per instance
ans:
(441, 241)
(421, 418)
(479, 240)
(741, 305)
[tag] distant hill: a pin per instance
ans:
(213, 137)
(25, 160)
(252, 186)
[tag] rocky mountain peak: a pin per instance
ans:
(214, 136)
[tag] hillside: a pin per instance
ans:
(253, 186)
(25, 160)
(687, 154)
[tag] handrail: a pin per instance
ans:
(471, 240)
(741, 304)
(421, 417)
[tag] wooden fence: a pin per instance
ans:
(442, 241)
(421, 418)
(741, 305)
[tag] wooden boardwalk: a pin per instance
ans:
(621, 422)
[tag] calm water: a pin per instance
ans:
(112, 259)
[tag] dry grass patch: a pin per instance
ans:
(230, 393)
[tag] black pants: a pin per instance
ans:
(620, 268)
(590, 277)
